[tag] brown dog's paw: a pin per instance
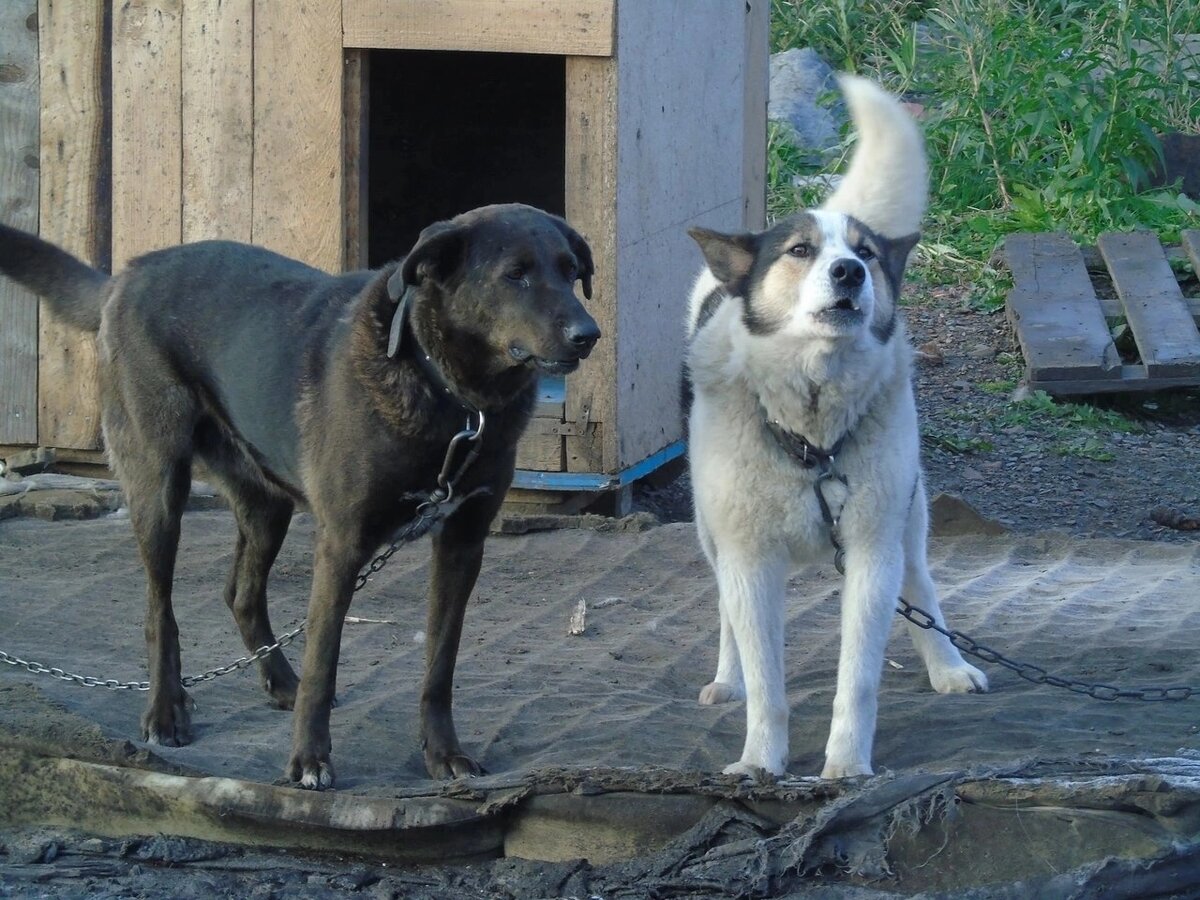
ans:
(168, 723)
(309, 771)
(451, 765)
(281, 686)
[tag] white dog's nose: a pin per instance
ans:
(848, 273)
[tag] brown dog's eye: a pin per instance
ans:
(515, 274)
(801, 250)
(865, 253)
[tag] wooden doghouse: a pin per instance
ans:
(333, 130)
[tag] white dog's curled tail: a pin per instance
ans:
(887, 183)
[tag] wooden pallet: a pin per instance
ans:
(1065, 330)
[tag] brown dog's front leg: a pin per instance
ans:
(457, 555)
(333, 585)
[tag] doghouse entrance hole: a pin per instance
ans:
(450, 131)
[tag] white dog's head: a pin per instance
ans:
(834, 272)
(817, 274)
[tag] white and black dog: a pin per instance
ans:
(803, 437)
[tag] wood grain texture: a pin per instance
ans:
(147, 141)
(356, 110)
(218, 119)
(1166, 335)
(19, 208)
(591, 205)
(298, 130)
(1055, 313)
(74, 185)
(564, 27)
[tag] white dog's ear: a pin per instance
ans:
(895, 257)
(730, 257)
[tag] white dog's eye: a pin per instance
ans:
(865, 253)
(801, 250)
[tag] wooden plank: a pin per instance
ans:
(591, 207)
(356, 106)
(147, 141)
(1166, 336)
(1133, 378)
(561, 27)
(1055, 313)
(1113, 308)
(755, 74)
(1190, 241)
(298, 130)
(74, 193)
(541, 447)
(18, 207)
(218, 119)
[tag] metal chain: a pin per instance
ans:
(428, 514)
(1036, 674)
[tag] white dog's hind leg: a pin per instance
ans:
(727, 685)
(752, 599)
(949, 673)
(868, 602)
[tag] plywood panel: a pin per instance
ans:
(147, 127)
(19, 208)
(218, 119)
(74, 190)
(591, 208)
(681, 157)
(565, 27)
(298, 130)
(356, 114)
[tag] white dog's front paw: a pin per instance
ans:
(751, 770)
(719, 692)
(836, 768)
(963, 678)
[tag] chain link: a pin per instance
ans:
(1036, 674)
(428, 513)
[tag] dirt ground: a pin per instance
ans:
(1081, 602)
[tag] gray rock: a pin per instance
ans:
(800, 80)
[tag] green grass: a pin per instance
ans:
(1040, 114)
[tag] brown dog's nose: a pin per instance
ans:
(582, 335)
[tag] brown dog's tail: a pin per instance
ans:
(73, 290)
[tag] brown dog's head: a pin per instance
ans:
(500, 282)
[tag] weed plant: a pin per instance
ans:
(1039, 114)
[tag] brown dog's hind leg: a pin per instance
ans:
(155, 507)
(457, 556)
(263, 521)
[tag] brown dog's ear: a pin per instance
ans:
(583, 254)
(438, 254)
(729, 256)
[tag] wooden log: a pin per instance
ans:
(18, 208)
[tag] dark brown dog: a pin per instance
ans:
(277, 378)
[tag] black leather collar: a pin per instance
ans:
(800, 448)
(402, 324)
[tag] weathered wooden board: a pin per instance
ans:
(756, 72)
(1190, 239)
(298, 130)
(356, 109)
(19, 208)
(74, 213)
(591, 207)
(563, 27)
(1167, 339)
(147, 71)
(1055, 313)
(218, 119)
